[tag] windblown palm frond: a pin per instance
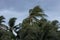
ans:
(54, 22)
(12, 22)
(36, 12)
(2, 19)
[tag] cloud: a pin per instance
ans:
(11, 13)
(51, 8)
(19, 8)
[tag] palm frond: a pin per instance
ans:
(12, 22)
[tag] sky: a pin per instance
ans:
(20, 8)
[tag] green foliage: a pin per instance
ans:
(2, 19)
(5, 35)
(34, 27)
(12, 22)
(42, 29)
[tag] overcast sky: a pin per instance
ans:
(20, 8)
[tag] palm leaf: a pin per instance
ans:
(12, 22)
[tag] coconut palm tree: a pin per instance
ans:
(11, 24)
(50, 28)
(55, 24)
(2, 19)
(34, 14)
(14, 27)
(2, 26)
(31, 21)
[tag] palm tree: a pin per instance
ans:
(36, 12)
(14, 27)
(31, 21)
(2, 26)
(50, 28)
(2, 19)
(11, 24)
(55, 24)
